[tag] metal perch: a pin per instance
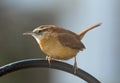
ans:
(33, 63)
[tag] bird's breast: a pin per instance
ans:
(51, 46)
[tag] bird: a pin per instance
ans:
(59, 43)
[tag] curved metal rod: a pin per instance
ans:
(33, 63)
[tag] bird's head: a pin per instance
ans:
(38, 32)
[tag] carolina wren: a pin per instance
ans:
(58, 43)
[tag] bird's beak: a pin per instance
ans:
(29, 33)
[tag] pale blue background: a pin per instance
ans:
(102, 56)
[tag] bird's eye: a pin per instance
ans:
(39, 31)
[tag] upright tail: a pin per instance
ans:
(82, 33)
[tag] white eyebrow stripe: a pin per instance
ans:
(36, 29)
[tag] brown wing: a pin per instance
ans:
(70, 40)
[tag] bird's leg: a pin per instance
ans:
(75, 65)
(49, 59)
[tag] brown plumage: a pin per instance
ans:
(58, 43)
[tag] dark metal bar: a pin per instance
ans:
(33, 63)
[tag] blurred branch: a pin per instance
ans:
(33, 63)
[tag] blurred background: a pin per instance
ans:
(101, 58)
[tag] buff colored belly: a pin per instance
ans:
(53, 48)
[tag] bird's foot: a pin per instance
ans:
(49, 60)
